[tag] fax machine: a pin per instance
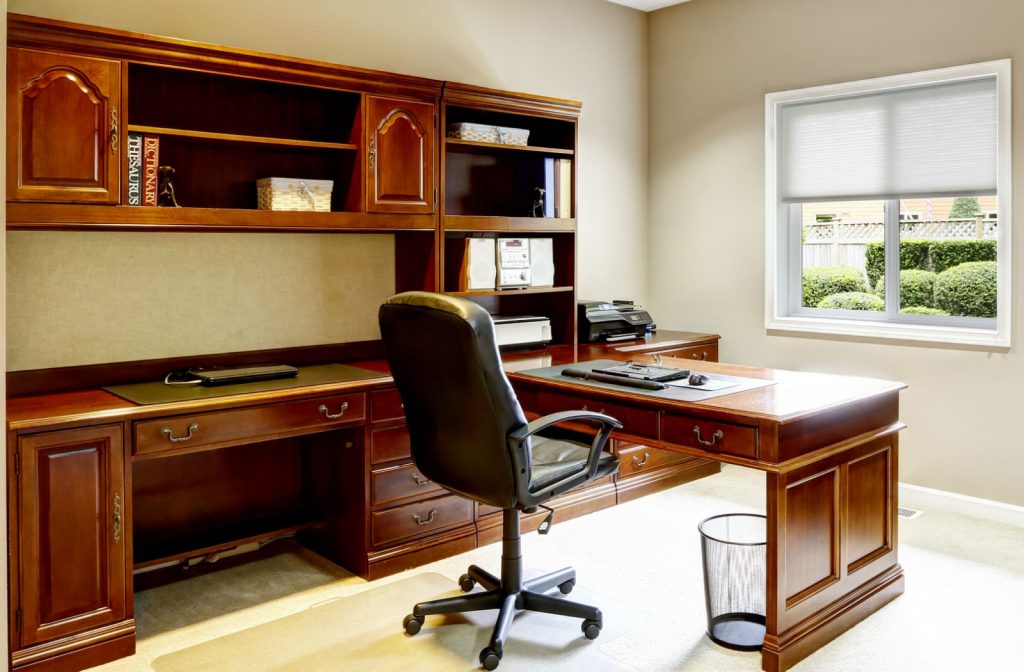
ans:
(618, 321)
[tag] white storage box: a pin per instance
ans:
(502, 135)
(292, 193)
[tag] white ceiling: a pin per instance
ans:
(648, 5)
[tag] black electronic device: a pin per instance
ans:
(230, 375)
(630, 369)
(699, 379)
(618, 321)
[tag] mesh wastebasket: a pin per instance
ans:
(733, 548)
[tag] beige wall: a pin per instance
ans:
(84, 298)
(710, 64)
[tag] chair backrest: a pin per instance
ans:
(459, 406)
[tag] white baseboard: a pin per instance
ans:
(918, 497)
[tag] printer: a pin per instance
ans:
(521, 331)
(616, 321)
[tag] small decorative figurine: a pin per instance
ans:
(537, 210)
(165, 194)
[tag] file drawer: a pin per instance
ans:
(389, 444)
(386, 405)
(635, 421)
(712, 436)
(247, 424)
(388, 486)
(636, 459)
(419, 518)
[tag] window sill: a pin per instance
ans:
(910, 333)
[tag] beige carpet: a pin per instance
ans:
(363, 632)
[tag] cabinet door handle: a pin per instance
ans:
(416, 517)
(715, 438)
(169, 433)
(117, 517)
(587, 409)
(113, 130)
(703, 356)
(640, 463)
(333, 416)
(373, 153)
(419, 480)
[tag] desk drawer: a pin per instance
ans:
(635, 421)
(709, 435)
(386, 405)
(247, 424)
(637, 459)
(391, 485)
(389, 444)
(707, 352)
(419, 518)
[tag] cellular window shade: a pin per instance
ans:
(931, 140)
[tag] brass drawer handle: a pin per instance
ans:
(703, 356)
(416, 517)
(419, 480)
(333, 416)
(587, 409)
(177, 439)
(373, 153)
(113, 130)
(640, 463)
(715, 438)
(117, 517)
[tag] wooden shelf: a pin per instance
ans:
(242, 139)
(150, 554)
(512, 292)
(455, 144)
(474, 223)
(122, 217)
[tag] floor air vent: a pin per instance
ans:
(909, 513)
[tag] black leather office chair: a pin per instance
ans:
(469, 435)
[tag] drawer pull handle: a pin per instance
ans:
(169, 433)
(113, 130)
(430, 519)
(640, 463)
(587, 409)
(715, 438)
(419, 480)
(703, 356)
(117, 517)
(333, 416)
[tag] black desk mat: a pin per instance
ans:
(158, 392)
(670, 392)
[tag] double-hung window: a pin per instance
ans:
(887, 207)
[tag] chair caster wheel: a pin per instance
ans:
(567, 586)
(489, 658)
(467, 583)
(412, 624)
(591, 629)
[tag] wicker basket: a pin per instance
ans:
(501, 135)
(292, 193)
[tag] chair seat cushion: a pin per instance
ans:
(554, 459)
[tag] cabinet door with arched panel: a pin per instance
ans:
(63, 138)
(399, 155)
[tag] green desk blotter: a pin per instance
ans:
(161, 393)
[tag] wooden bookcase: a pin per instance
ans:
(487, 190)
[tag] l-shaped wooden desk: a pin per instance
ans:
(99, 488)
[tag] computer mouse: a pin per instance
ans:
(698, 379)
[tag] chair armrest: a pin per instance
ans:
(518, 437)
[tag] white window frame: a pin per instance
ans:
(783, 312)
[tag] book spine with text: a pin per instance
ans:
(134, 169)
(150, 168)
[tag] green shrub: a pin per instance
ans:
(949, 253)
(913, 254)
(853, 301)
(922, 310)
(820, 281)
(968, 289)
(917, 288)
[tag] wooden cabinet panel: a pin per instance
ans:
(243, 425)
(399, 156)
(63, 130)
(388, 486)
(868, 505)
(635, 421)
(72, 532)
(419, 518)
(386, 405)
(811, 535)
(718, 437)
(389, 444)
